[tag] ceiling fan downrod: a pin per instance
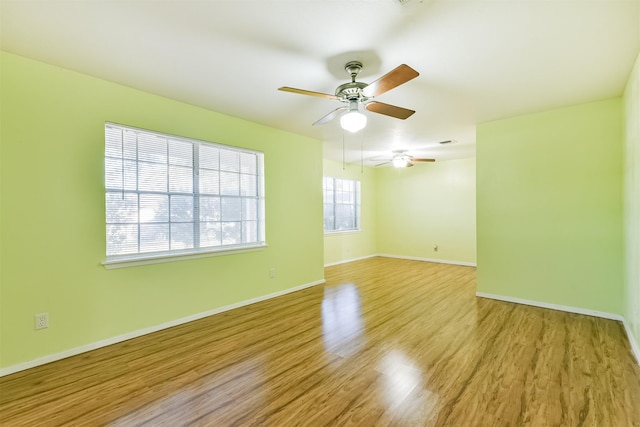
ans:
(353, 68)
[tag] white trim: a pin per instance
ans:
(349, 260)
(341, 232)
(552, 306)
(145, 259)
(440, 261)
(635, 348)
(140, 332)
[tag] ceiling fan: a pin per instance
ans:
(400, 159)
(358, 94)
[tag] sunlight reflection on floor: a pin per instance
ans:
(342, 324)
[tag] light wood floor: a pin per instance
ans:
(384, 342)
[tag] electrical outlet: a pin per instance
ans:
(272, 272)
(42, 320)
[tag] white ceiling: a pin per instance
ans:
(478, 60)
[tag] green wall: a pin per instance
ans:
(427, 205)
(342, 247)
(632, 204)
(52, 214)
(549, 207)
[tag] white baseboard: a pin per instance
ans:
(566, 308)
(349, 260)
(441, 261)
(635, 348)
(140, 332)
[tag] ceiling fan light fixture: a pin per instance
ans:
(400, 162)
(354, 120)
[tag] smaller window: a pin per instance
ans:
(341, 204)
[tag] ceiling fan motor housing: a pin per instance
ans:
(352, 91)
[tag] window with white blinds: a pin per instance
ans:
(341, 204)
(167, 195)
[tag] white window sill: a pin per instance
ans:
(341, 232)
(158, 258)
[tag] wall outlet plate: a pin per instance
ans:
(42, 320)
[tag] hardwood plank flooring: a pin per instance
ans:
(386, 342)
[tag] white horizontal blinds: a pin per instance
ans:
(341, 204)
(209, 231)
(345, 204)
(182, 201)
(229, 197)
(166, 194)
(121, 182)
(329, 216)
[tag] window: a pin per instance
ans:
(167, 195)
(341, 204)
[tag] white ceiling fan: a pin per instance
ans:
(401, 159)
(357, 95)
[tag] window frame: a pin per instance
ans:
(197, 251)
(357, 205)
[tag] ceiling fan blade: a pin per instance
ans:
(409, 165)
(380, 164)
(380, 158)
(307, 92)
(394, 78)
(389, 110)
(417, 160)
(332, 115)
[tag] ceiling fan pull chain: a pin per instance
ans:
(122, 157)
(343, 149)
(362, 152)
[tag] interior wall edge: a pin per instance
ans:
(631, 209)
(635, 347)
(145, 331)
